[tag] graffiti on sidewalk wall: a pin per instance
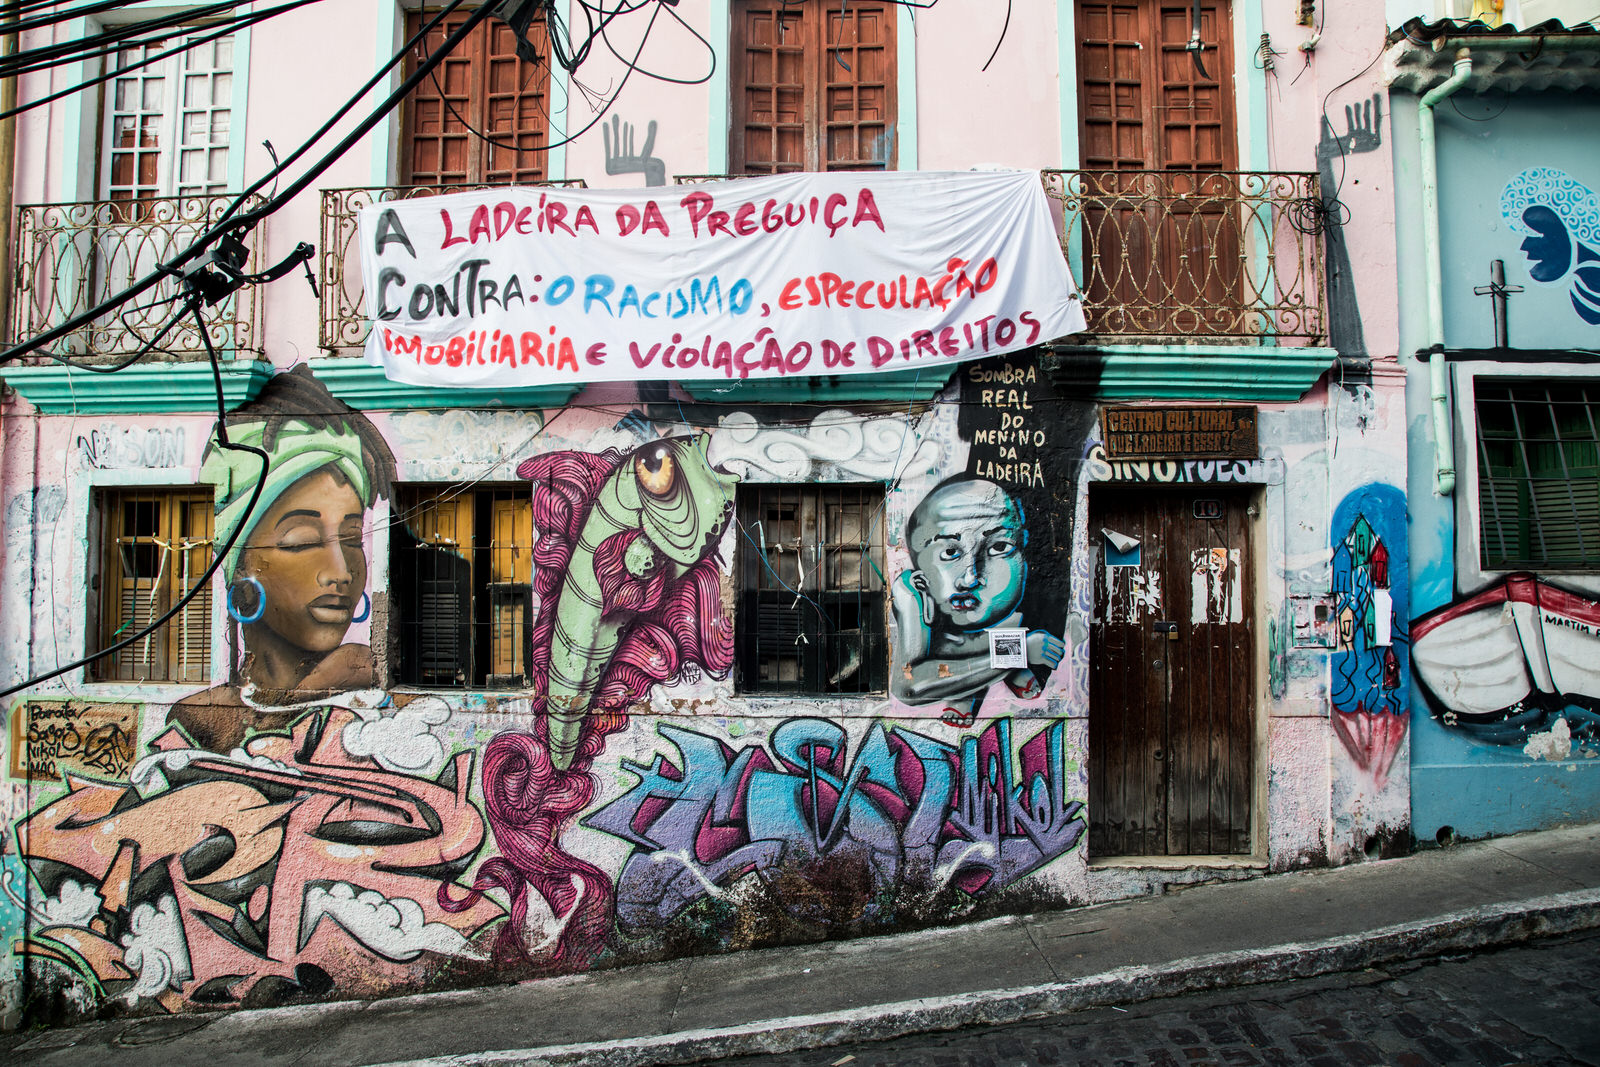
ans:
(840, 834)
(288, 868)
(625, 562)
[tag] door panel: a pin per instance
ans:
(1171, 701)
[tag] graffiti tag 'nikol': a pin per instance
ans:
(904, 811)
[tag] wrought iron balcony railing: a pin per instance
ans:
(344, 300)
(69, 257)
(1180, 255)
(1160, 255)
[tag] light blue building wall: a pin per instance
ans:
(1499, 153)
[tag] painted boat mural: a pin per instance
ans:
(1510, 660)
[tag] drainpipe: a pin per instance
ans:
(1444, 443)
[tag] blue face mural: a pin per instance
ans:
(1559, 218)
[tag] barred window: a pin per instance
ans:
(461, 579)
(1538, 473)
(156, 543)
(811, 590)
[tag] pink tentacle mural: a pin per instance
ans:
(630, 597)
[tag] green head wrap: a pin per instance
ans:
(298, 450)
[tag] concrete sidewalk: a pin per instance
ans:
(1004, 970)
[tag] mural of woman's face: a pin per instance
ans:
(1550, 249)
(306, 553)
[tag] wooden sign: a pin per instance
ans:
(1222, 431)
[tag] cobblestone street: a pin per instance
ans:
(1535, 1004)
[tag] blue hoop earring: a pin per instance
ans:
(366, 608)
(261, 601)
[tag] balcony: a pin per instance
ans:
(344, 322)
(1215, 257)
(71, 256)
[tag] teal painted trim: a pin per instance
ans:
(1255, 153)
(1197, 372)
(901, 386)
(146, 388)
(238, 136)
(717, 131)
(905, 58)
(559, 94)
(1067, 84)
(387, 23)
(78, 180)
(365, 388)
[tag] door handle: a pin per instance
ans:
(1159, 754)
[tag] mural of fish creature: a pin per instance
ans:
(625, 568)
(671, 507)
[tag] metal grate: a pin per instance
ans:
(1538, 473)
(155, 545)
(811, 590)
(461, 567)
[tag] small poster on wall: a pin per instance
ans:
(1008, 648)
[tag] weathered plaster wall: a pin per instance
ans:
(380, 838)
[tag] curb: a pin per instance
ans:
(1481, 927)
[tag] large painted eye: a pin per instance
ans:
(656, 470)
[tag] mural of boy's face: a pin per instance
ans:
(966, 544)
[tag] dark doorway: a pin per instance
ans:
(1172, 667)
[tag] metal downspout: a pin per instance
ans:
(1444, 444)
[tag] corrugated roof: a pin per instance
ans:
(1421, 54)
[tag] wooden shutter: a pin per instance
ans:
(481, 86)
(157, 544)
(814, 86)
(1143, 104)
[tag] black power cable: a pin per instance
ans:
(231, 220)
(191, 306)
(213, 33)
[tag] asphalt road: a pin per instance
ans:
(1532, 1004)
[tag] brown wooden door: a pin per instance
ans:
(1162, 237)
(813, 86)
(481, 116)
(1171, 706)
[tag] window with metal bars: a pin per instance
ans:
(811, 590)
(813, 86)
(155, 544)
(461, 581)
(1538, 473)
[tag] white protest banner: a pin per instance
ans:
(799, 274)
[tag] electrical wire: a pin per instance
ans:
(204, 581)
(231, 219)
(118, 38)
(189, 42)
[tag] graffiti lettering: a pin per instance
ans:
(903, 812)
(68, 736)
(118, 448)
(1102, 469)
